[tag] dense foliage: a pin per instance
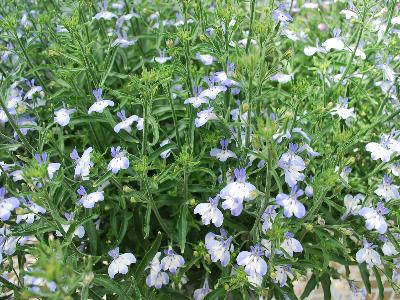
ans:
(197, 149)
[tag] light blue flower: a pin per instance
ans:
(156, 277)
(119, 161)
(222, 154)
(89, 200)
(82, 164)
(374, 217)
(290, 204)
(291, 245)
(7, 205)
(201, 293)
(172, 261)
(219, 247)
(282, 273)
(209, 212)
(100, 103)
(120, 262)
(125, 123)
(368, 255)
(387, 190)
(292, 165)
(236, 192)
(252, 261)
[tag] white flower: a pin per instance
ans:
(33, 89)
(82, 164)
(79, 231)
(104, 13)
(291, 205)
(209, 212)
(165, 154)
(387, 190)
(388, 72)
(219, 247)
(52, 168)
(374, 217)
(252, 261)
(204, 116)
(268, 217)
(157, 277)
(349, 14)
(213, 90)
(292, 165)
(140, 124)
(222, 154)
(310, 50)
(281, 275)
(196, 100)
(89, 200)
(125, 123)
(122, 40)
(200, 294)
(119, 161)
(62, 116)
(172, 261)
(291, 245)
(342, 109)
(388, 248)
(236, 192)
(282, 78)
(335, 42)
(100, 103)
(162, 59)
(388, 146)
(368, 255)
(352, 204)
(395, 20)
(120, 262)
(395, 168)
(8, 243)
(359, 52)
(7, 205)
(206, 59)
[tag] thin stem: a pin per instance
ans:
(16, 128)
(252, 8)
(171, 103)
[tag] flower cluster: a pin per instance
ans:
(201, 149)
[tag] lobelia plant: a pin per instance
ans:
(203, 149)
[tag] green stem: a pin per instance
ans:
(16, 128)
(249, 112)
(252, 8)
(171, 103)
(264, 200)
(145, 112)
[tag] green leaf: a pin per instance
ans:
(365, 276)
(148, 257)
(379, 282)
(182, 227)
(220, 292)
(326, 285)
(147, 221)
(110, 286)
(311, 284)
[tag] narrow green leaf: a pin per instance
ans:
(220, 292)
(182, 227)
(365, 276)
(311, 284)
(326, 285)
(110, 285)
(379, 282)
(148, 257)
